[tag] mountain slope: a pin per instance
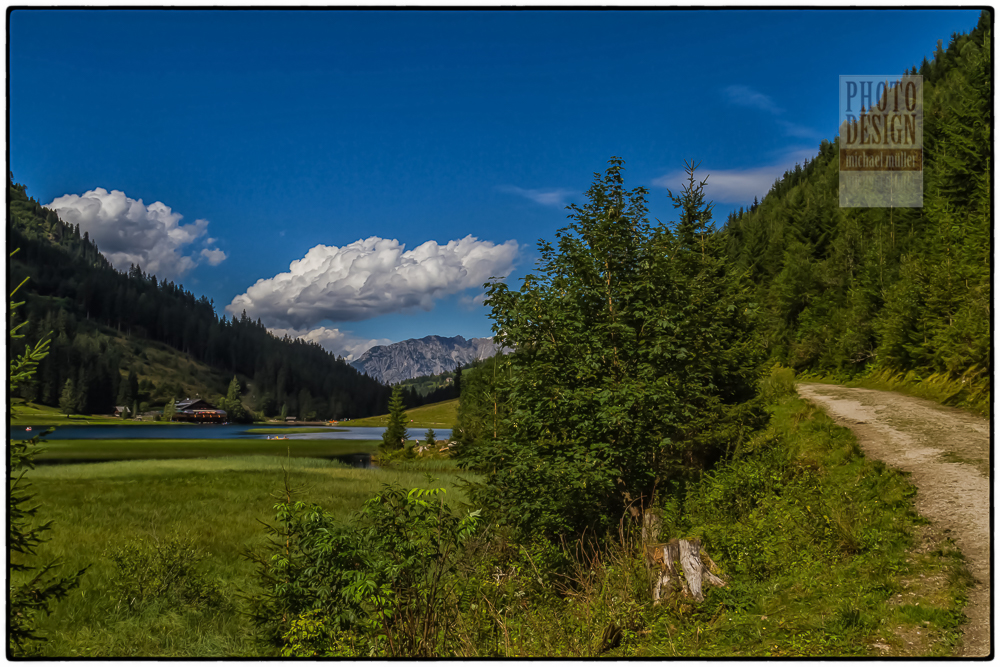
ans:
(858, 291)
(74, 293)
(424, 356)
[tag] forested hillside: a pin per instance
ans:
(74, 293)
(851, 291)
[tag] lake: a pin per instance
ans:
(208, 431)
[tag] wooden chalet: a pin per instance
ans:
(200, 411)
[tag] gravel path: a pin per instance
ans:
(948, 453)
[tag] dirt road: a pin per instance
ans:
(948, 454)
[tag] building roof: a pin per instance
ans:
(194, 404)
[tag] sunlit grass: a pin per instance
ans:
(435, 415)
(218, 503)
(32, 414)
(116, 450)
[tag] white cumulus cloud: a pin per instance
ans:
(341, 343)
(129, 232)
(213, 257)
(372, 277)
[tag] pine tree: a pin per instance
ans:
(429, 438)
(67, 399)
(32, 588)
(395, 433)
(233, 405)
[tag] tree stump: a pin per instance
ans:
(680, 566)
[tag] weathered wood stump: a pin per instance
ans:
(680, 567)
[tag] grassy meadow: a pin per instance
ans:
(822, 549)
(31, 414)
(435, 415)
(79, 451)
(216, 504)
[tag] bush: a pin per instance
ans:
(384, 584)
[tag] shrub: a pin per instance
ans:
(384, 584)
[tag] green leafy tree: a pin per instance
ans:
(387, 583)
(429, 437)
(235, 411)
(170, 410)
(33, 587)
(635, 365)
(395, 433)
(68, 398)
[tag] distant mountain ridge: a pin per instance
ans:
(429, 355)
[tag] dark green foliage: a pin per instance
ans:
(429, 437)
(480, 411)
(76, 293)
(428, 389)
(635, 365)
(235, 411)
(68, 399)
(383, 584)
(395, 433)
(853, 292)
(33, 586)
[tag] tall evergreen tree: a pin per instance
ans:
(67, 399)
(395, 433)
(32, 588)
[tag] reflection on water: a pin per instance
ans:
(207, 431)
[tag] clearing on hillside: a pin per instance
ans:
(435, 415)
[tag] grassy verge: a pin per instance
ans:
(79, 451)
(973, 396)
(435, 415)
(215, 504)
(822, 550)
(31, 414)
(294, 429)
(821, 547)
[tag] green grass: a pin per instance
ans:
(822, 550)
(817, 542)
(139, 449)
(217, 503)
(32, 414)
(294, 429)
(435, 415)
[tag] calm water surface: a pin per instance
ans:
(209, 431)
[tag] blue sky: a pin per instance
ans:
(281, 133)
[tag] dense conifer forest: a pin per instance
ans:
(850, 291)
(74, 293)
